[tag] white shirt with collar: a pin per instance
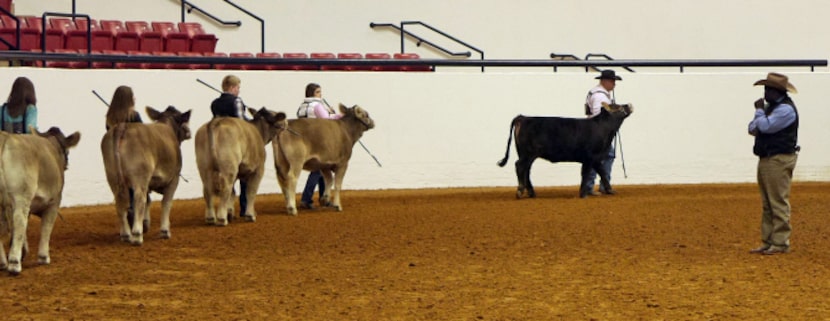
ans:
(598, 95)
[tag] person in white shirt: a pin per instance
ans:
(593, 105)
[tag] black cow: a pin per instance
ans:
(557, 139)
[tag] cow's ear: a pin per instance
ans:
(185, 117)
(154, 114)
(73, 139)
(281, 116)
(254, 111)
(343, 108)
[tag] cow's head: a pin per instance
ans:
(623, 110)
(273, 122)
(174, 118)
(359, 114)
(63, 142)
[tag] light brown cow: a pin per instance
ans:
(318, 144)
(143, 158)
(227, 149)
(31, 181)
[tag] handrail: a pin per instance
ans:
(607, 57)
(261, 23)
(563, 56)
(65, 15)
(194, 7)
(422, 40)
(16, 46)
(33, 56)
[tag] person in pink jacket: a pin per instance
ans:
(314, 106)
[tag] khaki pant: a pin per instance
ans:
(775, 174)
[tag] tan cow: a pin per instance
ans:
(318, 144)
(143, 158)
(228, 148)
(31, 181)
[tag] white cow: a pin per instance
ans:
(31, 181)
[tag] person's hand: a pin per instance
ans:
(759, 104)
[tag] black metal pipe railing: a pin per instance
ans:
(186, 3)
(34, 56)
(405, 33)
(607, 57)
(568, 57)
(73, 15)
(261, 23)
(16, 45)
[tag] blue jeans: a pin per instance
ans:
(315, 179)
(607, 164)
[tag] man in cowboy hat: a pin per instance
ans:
(775, 127)
(593, 105)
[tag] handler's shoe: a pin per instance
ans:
(773, 250)
(760, 250)
(308, 206)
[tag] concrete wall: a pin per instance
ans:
(448, 129)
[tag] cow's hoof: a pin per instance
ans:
(14, 268)
(43, 260)
(137, 239)
(518, 195)
(210, 220)
(165, 234)
(125, 237)
(250, 218)
(222, 222)
(292, 211)
(338, 208)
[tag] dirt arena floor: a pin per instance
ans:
(648, 253)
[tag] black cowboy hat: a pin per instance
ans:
(608, 74)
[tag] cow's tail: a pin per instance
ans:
(214, 154)
(5, 202)
(117, 138)
(513, 124)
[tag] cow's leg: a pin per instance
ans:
(140, 197)
(603, 171)
(20, 222)
(291, 188)
(166, 204)
(207, 194)
(47, 222)
(523, 165)
(122, 208)
(226, 180)
(146, 220)
(339, 173)
(4, 261)
(253, 182)
(328, 180)
(585, 187)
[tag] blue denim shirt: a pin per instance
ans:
(779, 119)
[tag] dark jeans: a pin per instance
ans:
(315, 178)
(243, 198)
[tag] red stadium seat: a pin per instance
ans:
(100, 64)
(215, 55)
(174, 40)
(270, 55)
(240, 66)
(76, 39)
(200, 41)
(384, 56)
(149, 40)
(29, 36)
(322, 55)
(134, 65)
(6, 4)
(123, 39)
(296, 55)
(349, 55)
(405, 56)
(160, 65)
(62, 64)
(191, 65)
(54, 37)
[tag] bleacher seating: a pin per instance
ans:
(349, 55)
(296, 55)
(77, 38)
(199, 40)
(270, 55)
(405, 67)
(149, 39)
(174, 40)
(29, 36)
(54, 37)
(123, 39)
(381, 67)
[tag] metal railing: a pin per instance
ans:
(186, 3)
(16, 45)
(34, 56)
(261, 23)
(404, 33)
(607, 57)
(73, 15)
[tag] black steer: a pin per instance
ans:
(558, 139)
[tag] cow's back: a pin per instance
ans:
(556, 139)
(141, 151)
(227, 140)
(322, 139)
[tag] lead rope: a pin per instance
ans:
(618, 138)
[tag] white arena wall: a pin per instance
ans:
(448, 128)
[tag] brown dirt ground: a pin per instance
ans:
(663, 252)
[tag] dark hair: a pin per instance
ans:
(121, 106)
(21, 96)
(310, 88)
